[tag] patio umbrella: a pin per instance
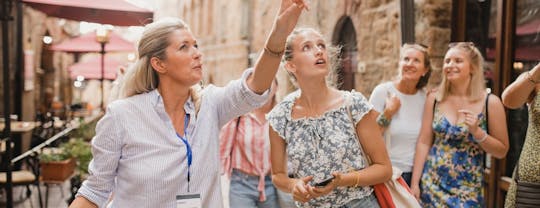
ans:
(114, 12)
(88, 43)
(90, 69)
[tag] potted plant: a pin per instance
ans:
(56, 164)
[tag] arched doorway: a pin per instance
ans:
(345, 36)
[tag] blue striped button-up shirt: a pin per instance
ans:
(139, 158)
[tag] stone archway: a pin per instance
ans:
(345, 36)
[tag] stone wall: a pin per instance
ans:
(433, 23)
(229, 34)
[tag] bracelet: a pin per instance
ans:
(357, 179)
(272, 53)
(383, 121)
(530, 79)
(481, 139)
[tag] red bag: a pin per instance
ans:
(395, 192)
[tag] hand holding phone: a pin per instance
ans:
(324, 182)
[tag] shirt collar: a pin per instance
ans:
(157, 102)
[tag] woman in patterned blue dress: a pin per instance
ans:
(315, 128)
(453, 142)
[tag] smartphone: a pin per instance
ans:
(324, 182)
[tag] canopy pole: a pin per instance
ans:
(5, 17)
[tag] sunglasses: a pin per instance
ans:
(463, 44)
(418, 46)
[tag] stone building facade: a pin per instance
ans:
(42, 81)
(232, 33)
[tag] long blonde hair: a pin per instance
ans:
(142, 77)
(477, 86)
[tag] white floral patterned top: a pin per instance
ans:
(319, 146)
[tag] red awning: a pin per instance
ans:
(528, 28)
(529, 53)
(114, 12)
(91, 69)
(88, 43)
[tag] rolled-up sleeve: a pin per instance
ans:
(236, 99)
(106, 151)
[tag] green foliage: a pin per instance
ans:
(85, 131)
(54, 154)
(79, 149)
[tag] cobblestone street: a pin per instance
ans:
(58, 194)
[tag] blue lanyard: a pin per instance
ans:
(189, 153)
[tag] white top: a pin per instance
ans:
(405, 126)
(139, 158)
(318, 146)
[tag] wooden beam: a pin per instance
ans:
(459, 23)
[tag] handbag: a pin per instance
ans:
(394, 192)
(527, 193)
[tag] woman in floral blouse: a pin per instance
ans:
(454, 138)
(313, 130)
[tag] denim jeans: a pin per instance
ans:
(368, 202)
(285, 199)
(407, 177)
(244, 193)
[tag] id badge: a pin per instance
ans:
(188, 201)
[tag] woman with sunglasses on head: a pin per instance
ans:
(525, 90)
(315, 128)
(454, 139)
(400, 102)
(158, 146)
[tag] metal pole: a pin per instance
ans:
(102, 75)
(6, 17)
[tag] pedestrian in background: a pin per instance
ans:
(400, 102)
(454, 139)
(245, 158)
(158, 146)
(314, 131)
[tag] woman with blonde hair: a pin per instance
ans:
(401, 101)
(454, 138)
(158, 147)
(320, 132)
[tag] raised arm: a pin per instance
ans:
(386, 104)
(521, 90)
(268, 63)
(425, 140)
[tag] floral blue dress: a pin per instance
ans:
(319, 146)
(453, 172)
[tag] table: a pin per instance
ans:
(18, 129)
(20, 126)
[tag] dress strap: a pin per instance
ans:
(486, 112)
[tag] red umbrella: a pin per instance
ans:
(88, 43)
(114, 12)
(90, 69)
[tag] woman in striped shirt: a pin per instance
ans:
(245, 158)
(158, 146)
